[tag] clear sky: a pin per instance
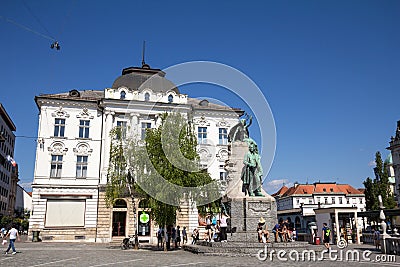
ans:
(329, 69)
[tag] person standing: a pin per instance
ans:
(224, 226)
(178, 237)
(13, 234)
(184, 235)
(326, 233)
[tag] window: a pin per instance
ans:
(223, 136)
(348, 201)
(59, 127)
(340, 200)
(222, 176)
(145, 125)
(56, 166)
(81, 166)
(170, 99)
(122, 95)
(361, 200)
(326, 200)
(202, 135)
(298, 201)
(84, 129)
(146, 97)
(333, 200)
(310, 201)
(122, 126)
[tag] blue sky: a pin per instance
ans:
(329, 69)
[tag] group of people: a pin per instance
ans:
(13, 235)
(282, 231)
(174, 235)
(216, 228)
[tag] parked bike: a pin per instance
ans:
(128, 242)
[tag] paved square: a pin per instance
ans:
(96, 255)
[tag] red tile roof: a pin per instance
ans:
(318, 188)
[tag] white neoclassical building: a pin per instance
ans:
(72, 154)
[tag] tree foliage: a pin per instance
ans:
(379, 186)
(136, 164)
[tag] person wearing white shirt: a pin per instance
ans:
(13, 234)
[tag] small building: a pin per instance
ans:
(23, 201)
(298, 203)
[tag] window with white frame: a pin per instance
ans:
(202, 135)
(146, 97)
(222, 176)
(340, 200)
(122, 126)
(145, 125)
(59, 127)
(170, 99)
(56, 166)
(223, 136)
(81, 166)
(333, 200)
(326, 200)
(84, 128)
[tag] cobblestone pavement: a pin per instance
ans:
(96, 255)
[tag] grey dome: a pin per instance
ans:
(134, 77)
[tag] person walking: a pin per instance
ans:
(13, 234)
(326, 233)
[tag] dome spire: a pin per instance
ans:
(144, 65)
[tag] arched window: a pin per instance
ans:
(146, 97)
(144, 203)
(170, 99)
(122, 95)
(120, 203)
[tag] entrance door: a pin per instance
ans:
(119, 223)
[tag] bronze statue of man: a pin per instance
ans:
(252, 171)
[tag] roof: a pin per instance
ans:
(6, 118)
(389, 159)
(317, 188)
(281, 191)
(77, 95)
(205, 104)
(134, 77)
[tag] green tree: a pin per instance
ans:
(169, 152)
(379, 186)
(371, 197)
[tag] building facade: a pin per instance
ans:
(297, 203)
(23, 201)
(73, 152)
(8, 168)
(394, 147)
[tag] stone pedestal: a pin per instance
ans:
(245, 214)
(245, 211)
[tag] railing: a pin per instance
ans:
(367, 238)
(391, 246)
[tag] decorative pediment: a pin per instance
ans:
(57, 148)
(83, 149)
(85, 114)
(223, 123)
(202, 121)
(60, 113)
(222, 154)
(204, 154)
